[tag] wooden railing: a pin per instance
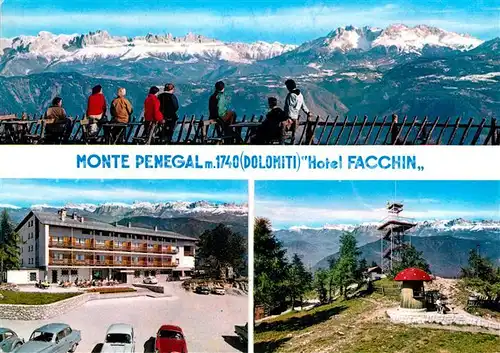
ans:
(339, 130)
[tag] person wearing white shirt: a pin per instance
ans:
(294, 103)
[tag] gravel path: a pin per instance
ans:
(208, 321)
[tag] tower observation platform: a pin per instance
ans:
(393, 230)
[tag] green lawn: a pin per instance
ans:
(28, 298)
(343, 327)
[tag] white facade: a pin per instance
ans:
(67, 249)
(25, 276)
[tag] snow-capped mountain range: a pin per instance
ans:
(102, 45)
(116, 210)
(458, 224)
(403, 38)
(192, 48)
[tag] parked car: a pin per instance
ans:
(202, 290)
(218, 291)
(9, 340)
(52, 338)
(170, 339)
(119, 338)
(150, 280)
(242, 332)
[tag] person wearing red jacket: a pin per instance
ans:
(152, 112)
(96, 107)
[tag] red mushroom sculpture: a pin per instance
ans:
(412, 287)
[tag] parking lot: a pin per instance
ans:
(207, 320)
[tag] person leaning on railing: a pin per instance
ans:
(169, 105)
(96, 108)
(57, 124)
(121, 111)
(294, 103)
(270, 128)
(217, 107)
(152, 113)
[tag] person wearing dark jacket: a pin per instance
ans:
(169, 105)
(270, 129)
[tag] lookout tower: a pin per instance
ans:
(393, 229)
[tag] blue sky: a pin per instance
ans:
(290, 21)
(26, 192)
(317, 203)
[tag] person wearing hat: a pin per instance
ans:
(169, 105)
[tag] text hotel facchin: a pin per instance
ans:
(252, 162)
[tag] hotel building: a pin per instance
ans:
(61, 247)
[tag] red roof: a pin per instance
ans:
(413, 274)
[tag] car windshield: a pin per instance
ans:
(41, 336)
(170, 334)
(118, 338)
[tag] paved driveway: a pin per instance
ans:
(208, 321)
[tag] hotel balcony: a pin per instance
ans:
(110, 245)
(107, 245)
(125, 246)
(60, 261)
(110, 263)
(139, 247)
(170, 250)
(86, 262)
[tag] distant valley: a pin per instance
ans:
(445, 243)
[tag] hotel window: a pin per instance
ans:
(135, 260)
(59, 256)
(100, 242)
(150, 246)
(137, 274)
(80, 241)
(80, 257)
(74, 272)
(118, 258)
(22, 262)
(64, 272)
(32, 276)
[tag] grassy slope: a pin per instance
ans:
(27, 298)
(344, 327)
